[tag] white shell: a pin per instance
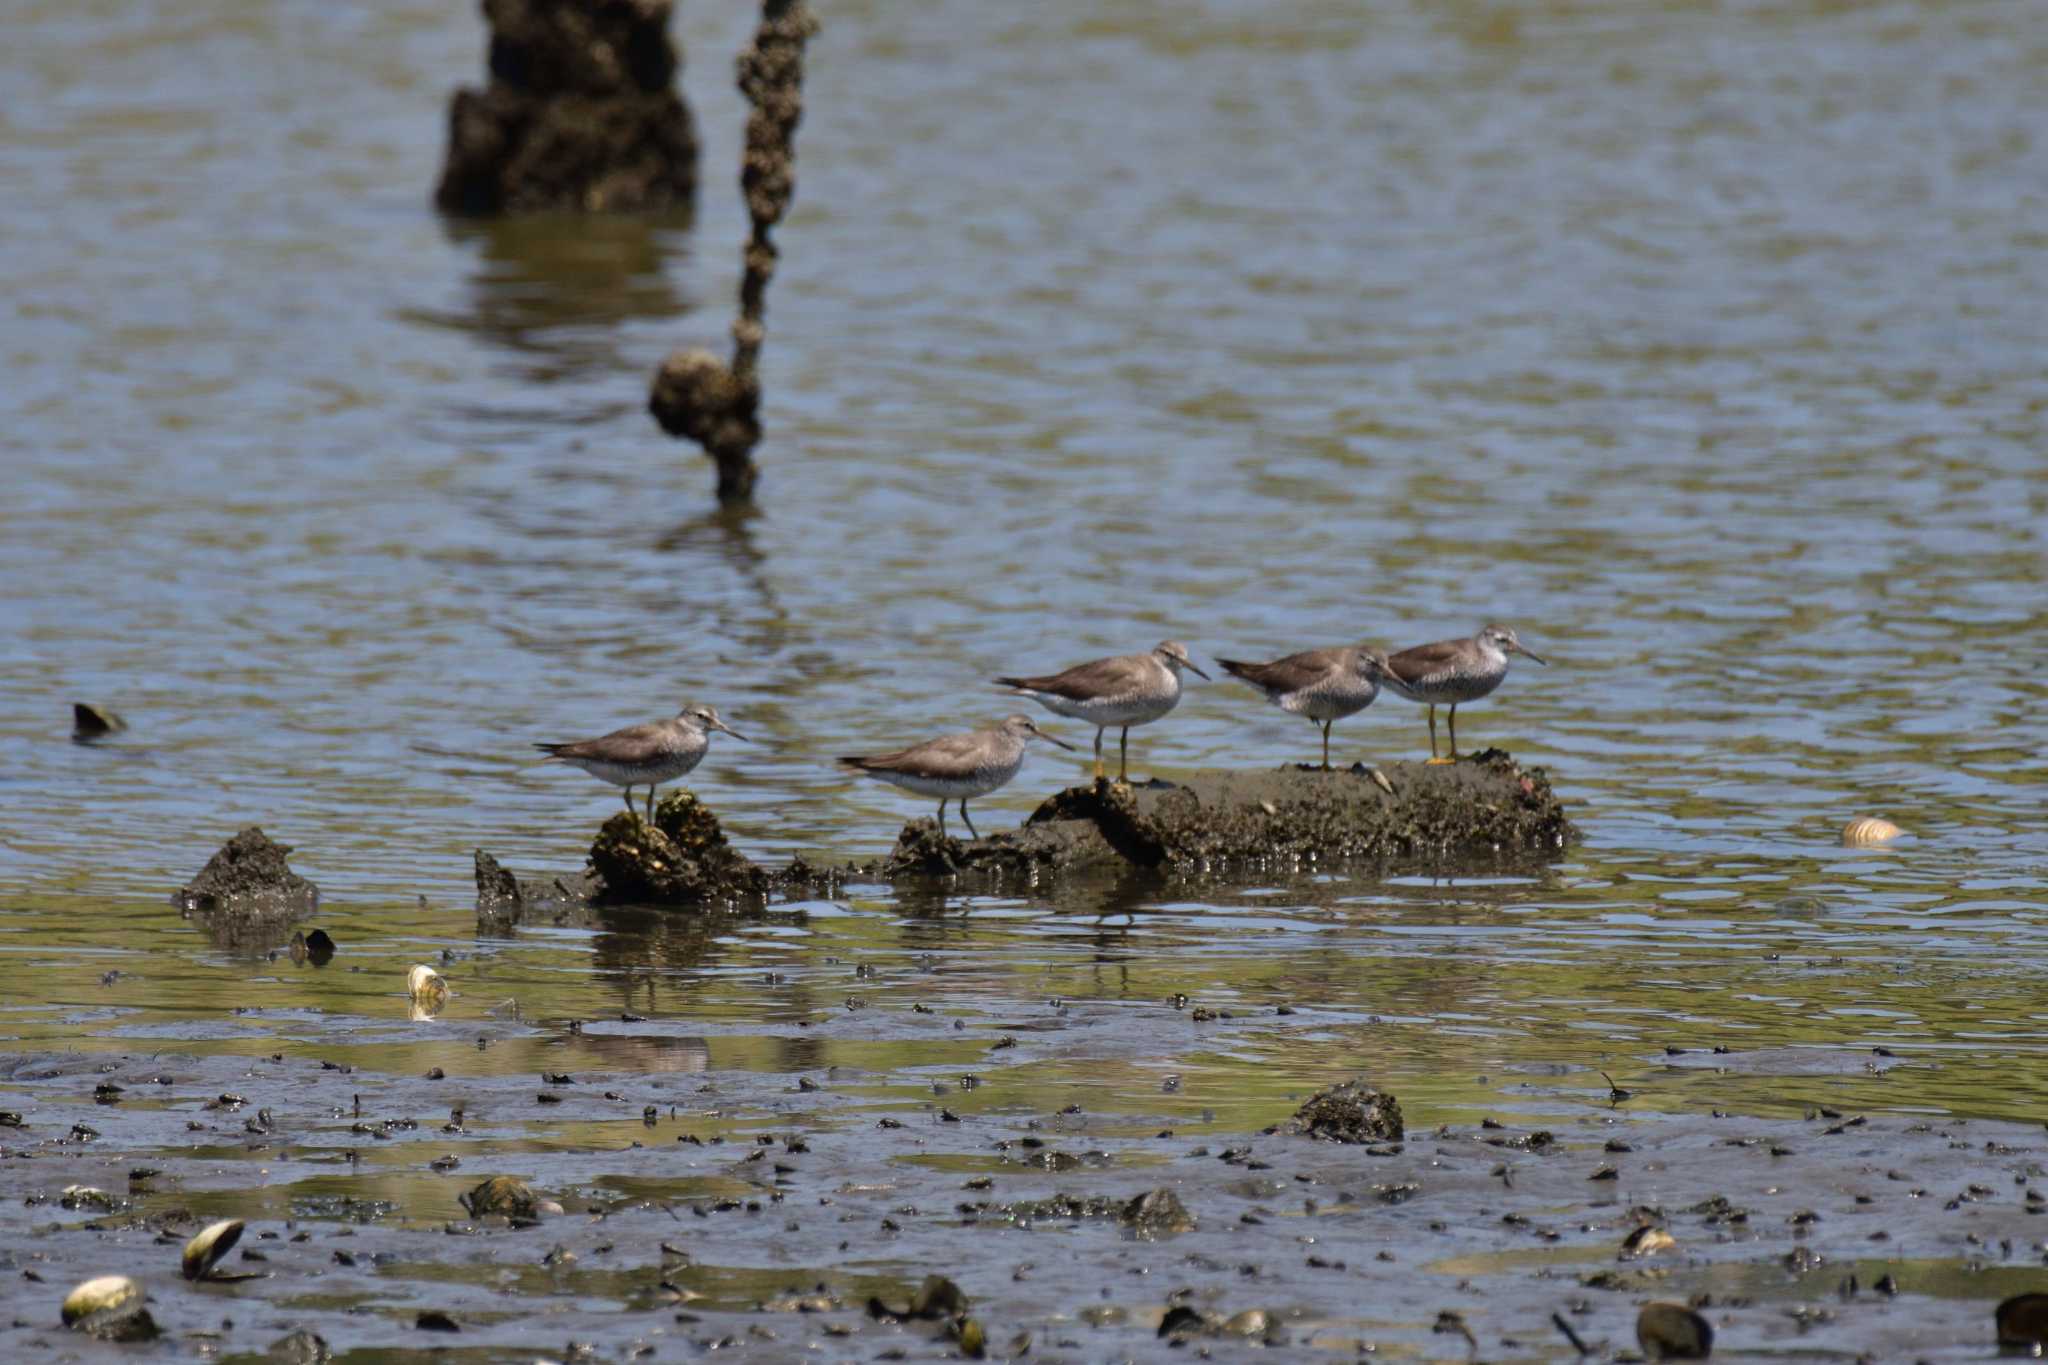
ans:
(107, 1293)
(428, 990)
(1867, 830)
(209, 1245)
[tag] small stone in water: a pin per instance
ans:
(1671, 1331)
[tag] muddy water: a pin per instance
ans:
(1701, 345)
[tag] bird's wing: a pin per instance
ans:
(1291, 674)
(1425, 662)
(634, 744)
(947, 751)
(1115, 677)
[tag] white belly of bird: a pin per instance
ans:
(980, 782)
(1449, 688)
(1325, 705)
(669, 768)
(1109, 713)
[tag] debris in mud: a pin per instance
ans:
(247, 894)
(299, 1348)
(937, 1297)
(209, 1246)
(1671, 1331)
(88, 1197)
(581, 113)
(1646, 1241)
(1182, 1323)
(90, 722)
(1154, 1214)
(316, 948)
(504, 1196)
(112, 1308)
(1350, 1111)
(683, 860)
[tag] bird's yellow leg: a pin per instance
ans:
(1432, 739)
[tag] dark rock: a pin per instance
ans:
(581, 113)
(1478, 811)
(495, 887)
(90, 722)
(1671, 1331)
(247, 894)
(683, 860)
(1350, 1111)
(504, 902)
(2022, 1321)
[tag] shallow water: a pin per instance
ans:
(1701, 344)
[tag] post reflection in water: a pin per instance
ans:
(553, 289)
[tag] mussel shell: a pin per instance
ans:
(1867, 831)
(1647, 1241)
(108, 1294)
(209, 1246)
(428, 990)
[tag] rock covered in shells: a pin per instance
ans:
(247, 894)
(1350, 1111)
(581, 114)
(506, 1196)
(683, 860)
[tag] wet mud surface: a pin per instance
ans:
(668, 1215)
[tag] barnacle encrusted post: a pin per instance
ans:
(695, 394)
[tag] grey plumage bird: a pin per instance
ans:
(1120, 692)
(1452, 672)
(1325, 685)
(646, 755)
(962, 766)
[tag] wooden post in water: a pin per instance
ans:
(695, 394)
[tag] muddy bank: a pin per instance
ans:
(581, 113)
(1410, 814)
(767, 1214)
(1406, 815)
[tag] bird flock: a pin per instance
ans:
(1119, 693)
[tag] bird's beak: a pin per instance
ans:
(1050, 739)
(721, 725)
(1190, 666)
(1530, 654)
